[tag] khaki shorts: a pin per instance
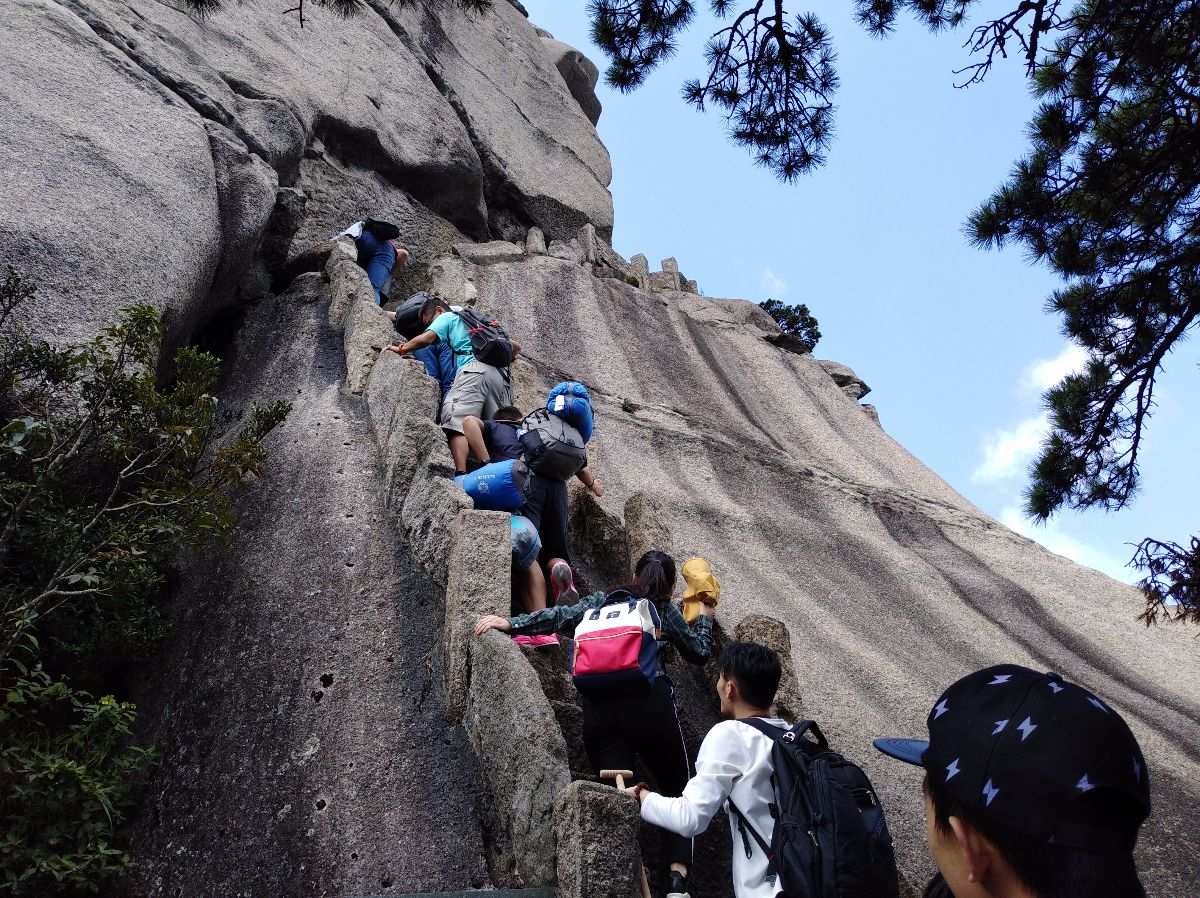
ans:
(478, 390)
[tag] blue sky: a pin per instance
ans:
(954, 341)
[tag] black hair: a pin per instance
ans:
(508, 413)
(756, 670)
(1044, 868)
(433, 304)
(655, 573)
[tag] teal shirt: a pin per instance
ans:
(449, 328)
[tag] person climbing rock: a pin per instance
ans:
(379, 252)
(545, 497)
(526, 546)
(631, 720)
(734, 763)
(479, 389)
(1033, 787)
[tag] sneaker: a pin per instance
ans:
(562, 583)
(525, 640)
(679, 887)
(541, 642)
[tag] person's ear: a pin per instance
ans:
(977, 854)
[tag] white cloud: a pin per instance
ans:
(1053, 538)
(1045, 373)
(1007, 453)
(775, 286)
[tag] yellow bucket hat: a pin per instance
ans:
(702, 586)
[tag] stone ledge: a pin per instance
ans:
(598, 854)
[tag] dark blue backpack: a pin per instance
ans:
(830, 838)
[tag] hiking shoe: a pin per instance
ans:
(679, 888)
(562, 583)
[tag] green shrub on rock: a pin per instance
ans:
(106, 475)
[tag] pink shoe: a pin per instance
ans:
(525, 640)
(562, 583)
(541, 642)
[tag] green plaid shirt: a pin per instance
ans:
(694, 642)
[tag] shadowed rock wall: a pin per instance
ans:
(303, 742)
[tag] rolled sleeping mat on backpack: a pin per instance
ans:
(499, 486)
(571, 401)
(553, 448)
(408, 316)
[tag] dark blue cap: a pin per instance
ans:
(1037, 755)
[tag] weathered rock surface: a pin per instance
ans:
(148, 154)
(646, 527)
(843, 375)
(304, 750)
(521, 751)
(774, 635)
(478, 542)
(177, 131)
(368, 331)
(488, 253)
(889, 582)
(580, 73)
(598, 853)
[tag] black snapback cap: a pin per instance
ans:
(1037, 755)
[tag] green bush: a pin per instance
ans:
(105, 476)
(795, 321)
(67, 774)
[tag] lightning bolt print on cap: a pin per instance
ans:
(1035, 754)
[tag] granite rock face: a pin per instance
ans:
(521, 750)
(304, 749)
(138, 125)
(205, 164)
(580, 73)
(597, 829)
(890, 584)
(774, 635)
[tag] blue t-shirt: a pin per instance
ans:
(453, 330)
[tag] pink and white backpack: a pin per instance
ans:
(616, 646)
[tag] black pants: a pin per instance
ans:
(645, 728)
(546, 506)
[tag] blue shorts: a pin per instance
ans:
(526, 544)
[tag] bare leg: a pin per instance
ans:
(535, 588)
(473, 431)
(458, 451)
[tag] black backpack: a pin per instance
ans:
(830, 838)
(553, 448)
(407, 320)
(489, 342)
(382, 230)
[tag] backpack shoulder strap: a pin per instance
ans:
(773, 733)
(745, 826)
(796, 732)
